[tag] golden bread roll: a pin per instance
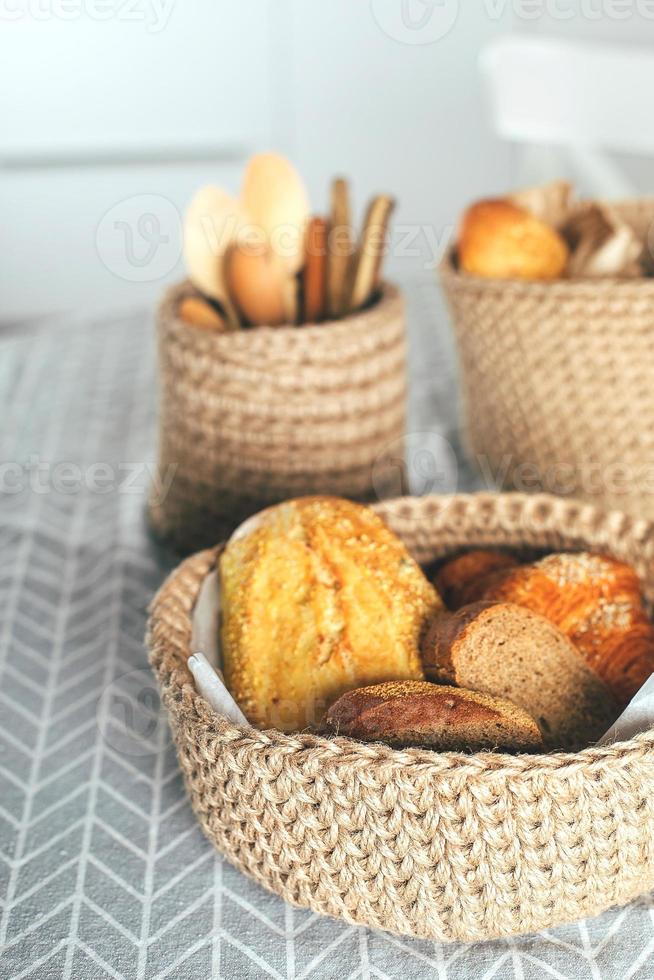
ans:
(508, 651)
(499, 240)
(595, 600)
(459, 578)
(318, 597)
(416, 713)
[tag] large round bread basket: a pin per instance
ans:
(441, 846)
(557, 380)
(247, 419)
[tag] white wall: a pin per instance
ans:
(106, 121)
(322, 81)
(108, 125)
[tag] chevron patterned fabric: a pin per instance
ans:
(103, 869)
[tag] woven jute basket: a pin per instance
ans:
(250, 418)
(441, 846)
(557, 382)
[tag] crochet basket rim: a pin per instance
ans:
(178, 687)
(326, 331)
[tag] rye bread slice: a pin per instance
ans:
(416, 713)
(511, 652)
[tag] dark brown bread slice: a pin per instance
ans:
(511, 652)
(415, 713)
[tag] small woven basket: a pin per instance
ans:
(250, 418)
(441, 846)
(557, 380)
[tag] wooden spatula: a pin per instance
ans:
(315, 271)
(371, 251)
(341, 247)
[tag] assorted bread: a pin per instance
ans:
(543, 233)
(261, 259)
(328, 624)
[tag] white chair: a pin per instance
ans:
(568, 104)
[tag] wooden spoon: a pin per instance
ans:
(258, 283)
(199, 312)
(211, 223)
(276, 202)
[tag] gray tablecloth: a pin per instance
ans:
(104, 872)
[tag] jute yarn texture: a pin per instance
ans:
(447, 846)
(557, 381)
(249, 418)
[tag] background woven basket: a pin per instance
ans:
(557, 380)
(442, 846)
(250, 418)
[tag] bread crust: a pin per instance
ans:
(416, 713)
(500, 240)
(441, 638)
(457, 581)
(319, 597)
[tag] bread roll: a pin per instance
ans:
(595, 601)
(318, 597)
(510, 652)
(415, 713)
(459, 578)
(499, 240)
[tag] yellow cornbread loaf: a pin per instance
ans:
(318, 597)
